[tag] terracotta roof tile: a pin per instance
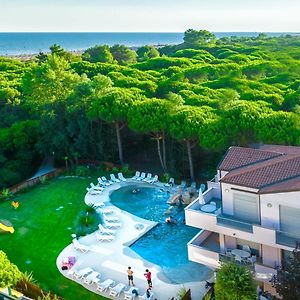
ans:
(237, 157)
(267, 173)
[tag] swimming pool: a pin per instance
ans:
(166, 244)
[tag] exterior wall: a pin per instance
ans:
(270, 207)
(202, 255)
(230, 242)
(222, 243)
(271, 256)
(227, 196)
(222, 173)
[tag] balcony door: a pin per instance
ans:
(245, 208)
(289, 219)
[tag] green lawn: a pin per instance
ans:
(41, 232)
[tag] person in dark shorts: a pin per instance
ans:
(148, 277)
(130, 276)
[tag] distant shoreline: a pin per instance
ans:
(26, 45)
(30, 56)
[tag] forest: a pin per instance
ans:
(185, 103)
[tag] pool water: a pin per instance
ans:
(165, 244)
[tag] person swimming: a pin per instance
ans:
(170, 220)
(134, 191)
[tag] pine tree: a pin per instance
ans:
(288, 278)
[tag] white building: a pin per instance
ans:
(257, 196)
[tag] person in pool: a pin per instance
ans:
(134, 191)
(170, 220)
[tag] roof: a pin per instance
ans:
(269, 169)
(237, 157)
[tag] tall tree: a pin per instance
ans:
(98, 54)
(146, 52)
(113, 107)
(46, 89)
(151, 116)
(185, 125)
(288, 278)
(123, 55)
(194, 38)
(234, 282)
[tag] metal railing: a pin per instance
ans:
(287, 238)
(230, 221)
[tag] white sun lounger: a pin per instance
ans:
(117, 290)
(102, 183)
(129, 295)
(143, 176)
(170, 183)
(98, 204)
(111, 225)
(93, 192)
(107, 210)
(148, 178)
(154, 179)
(90, 279)
(137, 175)
(83, 273)
(108, 182)
(121, 177)
(113, 178)
(95, 187)
(104, 237)
(103, 286)
(80, 247)
(106, 230)
(182, 184)
(193, 185)
(110, 219)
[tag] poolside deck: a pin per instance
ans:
(111, 259)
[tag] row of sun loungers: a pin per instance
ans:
(143, 177)
(89, 276)
(104, 182)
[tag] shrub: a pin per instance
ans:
(9, 273)
(5, 194)
(82, 171)
(43, 180)
(234, 282)
(87, 221)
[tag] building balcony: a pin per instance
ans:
(287, 239)
(204, 248)
(226, 224)
(264, 273)
(230, 221)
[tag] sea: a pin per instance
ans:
(18, 43)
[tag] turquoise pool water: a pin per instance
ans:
(165, 244)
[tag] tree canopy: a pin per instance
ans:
(194, 99)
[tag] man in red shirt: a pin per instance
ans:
(148, 277)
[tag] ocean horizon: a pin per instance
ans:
(18, 43)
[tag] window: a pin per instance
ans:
(245, 208)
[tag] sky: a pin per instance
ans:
(149, 15)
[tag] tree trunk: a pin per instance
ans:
(189, 151)
(164, 151)
(159, 154)
(118, 131)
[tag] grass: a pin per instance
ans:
(41, 232)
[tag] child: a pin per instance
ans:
(148, 277)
